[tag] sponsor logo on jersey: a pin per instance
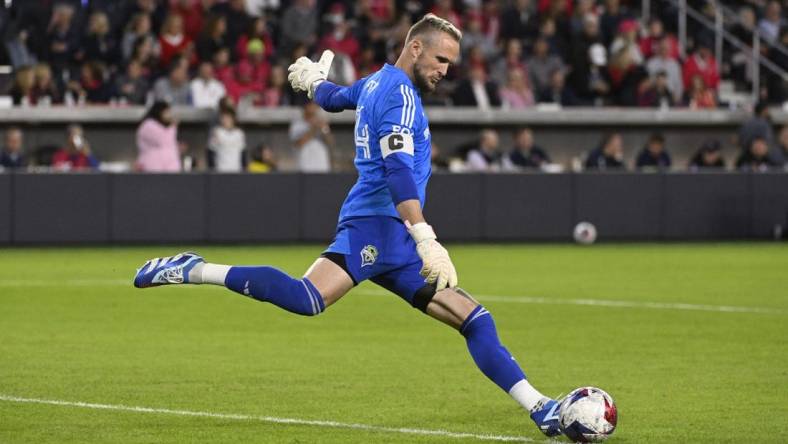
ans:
(370, 85)
(369, 255)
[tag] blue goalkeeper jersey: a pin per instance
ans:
(392, 140)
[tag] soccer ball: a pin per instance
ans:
(585, 233)
(588, 414)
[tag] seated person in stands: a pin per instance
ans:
(263, 159)
(653, 155)
(557, 92)
(608, 155)
(756, 158)
(708, 157)
(525, 154)
(487, 157)
(12, 156)
(75, 155)
(698, 95)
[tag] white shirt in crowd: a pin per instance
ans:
(480, 94)
(313, 156)
(477, 162)
(228, 146)
(206, 94)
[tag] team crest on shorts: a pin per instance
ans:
(368, 255)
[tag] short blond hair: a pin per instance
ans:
(432, 23)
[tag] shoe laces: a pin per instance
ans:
(173, 275)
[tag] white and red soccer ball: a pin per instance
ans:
(585, 233)
(588, 414)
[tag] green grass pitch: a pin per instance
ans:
(681, 366)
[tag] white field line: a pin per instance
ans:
(268, 419)
(23, 283)
(613, 303)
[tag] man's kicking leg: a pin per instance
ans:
(323, 284)
(458, 309)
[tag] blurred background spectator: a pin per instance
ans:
(654, 92)
(45, 90)
(132, 86)
(708, 157)
(477, 91)
(702, 64)
(525, 153)
(174, 42)
(772, 21)
(756, 157)
(175, 88)
(206, 91)
(157, 141)
(654, 156)
(99, 44)
(23, 86)
(212, 37)
(542, 65)
(311, 137)
(75, 155)
(759, 125)
(13, 154)
(557, 92)
(664, 62)
(608, 155)
(227, 145)
(517, 92)
(438, 160)
(487, 156)
(698, 95)
(591, 80)
(262, 159)
(137, 30)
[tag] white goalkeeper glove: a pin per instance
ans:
(305, 74)
(437, 266)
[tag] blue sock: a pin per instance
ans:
(490, 356)
(271, 285)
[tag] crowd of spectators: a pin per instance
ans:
(610, 154)
(515, 53)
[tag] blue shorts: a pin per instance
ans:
(380, 249)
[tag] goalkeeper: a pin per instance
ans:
(382, 234)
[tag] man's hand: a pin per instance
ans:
(305, 74)
(437, 266)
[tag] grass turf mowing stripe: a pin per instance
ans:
(482, 297)
(268, 419)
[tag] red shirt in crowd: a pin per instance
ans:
(172, 46)
(705, 67)
(649, 46)
(63, 159)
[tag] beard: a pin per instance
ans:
(422, 81)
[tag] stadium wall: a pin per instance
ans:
(219, 208)
(563, 133)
